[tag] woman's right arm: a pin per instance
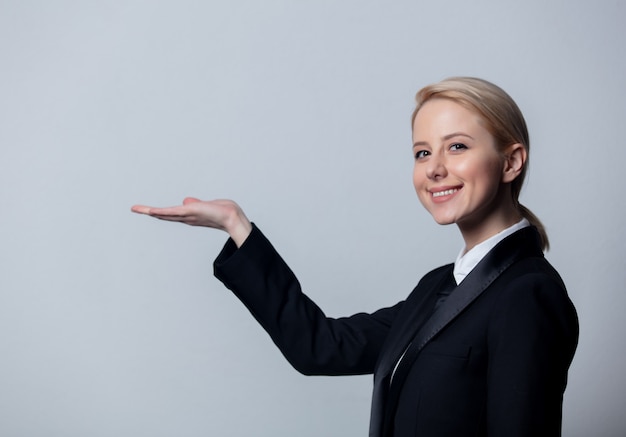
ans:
(250, 267)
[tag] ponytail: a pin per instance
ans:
(534, 221)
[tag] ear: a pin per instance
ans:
(514, 159)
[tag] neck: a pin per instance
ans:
(476, 233)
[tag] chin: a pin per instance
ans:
(444, 220)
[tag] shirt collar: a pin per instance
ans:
(465, 262)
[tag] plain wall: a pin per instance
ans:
(111, 324)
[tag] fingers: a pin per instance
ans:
(174, 218)
(143, 209)
(173, 212)
(140, 209)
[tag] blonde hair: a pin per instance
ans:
(502, 118)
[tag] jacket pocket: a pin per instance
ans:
(458, 351)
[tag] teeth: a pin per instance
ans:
(445, 193)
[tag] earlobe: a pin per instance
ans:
(514, 160)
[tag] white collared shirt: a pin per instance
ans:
(465, 262)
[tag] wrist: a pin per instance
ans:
(239, 227)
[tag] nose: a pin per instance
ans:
(436, 168)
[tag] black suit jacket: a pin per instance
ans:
(492, 360)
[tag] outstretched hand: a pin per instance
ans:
(221, 214)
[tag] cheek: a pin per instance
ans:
(467, 169)
(418, 179)
(494, 171)
(485, 172)
(418, 182)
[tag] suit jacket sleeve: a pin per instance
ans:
(313, 343)
(532, 338)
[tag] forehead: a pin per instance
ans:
(440, 117)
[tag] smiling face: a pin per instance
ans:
(460, 176)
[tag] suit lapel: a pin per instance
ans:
(418, 307)
(522, 243)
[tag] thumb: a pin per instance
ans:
(189, 200)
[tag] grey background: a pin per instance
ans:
(111, 324)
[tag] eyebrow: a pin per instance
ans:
(445, 138)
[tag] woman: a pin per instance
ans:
(480, 347)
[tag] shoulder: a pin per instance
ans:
(432, 281)
(531, 290)
(438, 273)
(532, 273)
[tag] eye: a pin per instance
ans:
(421, 154)
(457, 146)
